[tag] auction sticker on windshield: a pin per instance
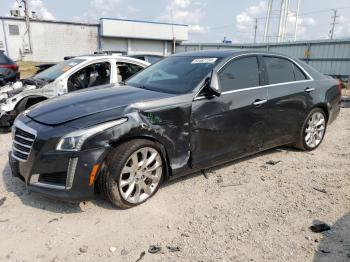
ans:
(204, 61)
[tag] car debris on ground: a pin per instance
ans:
(153, 249)
(143, 253)
(2, 200)
(83, 249)
(112, 249)
(173, 249)
(319, 227)
(322, 190)
(272, 162)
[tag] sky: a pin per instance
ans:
(208, 20)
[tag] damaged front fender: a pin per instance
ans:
(167, 126)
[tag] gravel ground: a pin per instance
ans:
(247, 210)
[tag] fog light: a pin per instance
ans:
(71, 171)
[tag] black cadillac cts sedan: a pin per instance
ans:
(185, 113)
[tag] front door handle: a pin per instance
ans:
(259, 102)
(309, 89)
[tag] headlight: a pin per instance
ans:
(75, 140)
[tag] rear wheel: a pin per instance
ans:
(313, 130)
(134, 173)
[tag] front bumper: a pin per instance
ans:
(59, 175)
(45, 180)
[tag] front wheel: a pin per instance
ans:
(313, 130)
(134, 173)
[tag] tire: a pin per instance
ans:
(126, 175)
(312, 130)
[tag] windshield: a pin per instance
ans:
(55, 71)
(177, 74)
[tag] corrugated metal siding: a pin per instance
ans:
(329, 57)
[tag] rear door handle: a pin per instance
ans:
(259, 102)
(309, 89)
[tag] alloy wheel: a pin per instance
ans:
(140, 175)
(315, 130)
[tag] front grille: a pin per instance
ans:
(54, 178)
(22, 143)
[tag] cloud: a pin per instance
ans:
(342, 29)
(304, 24)
(41, 11)
(102, 8)
(38, 7)
(186, 12)
(245, 21)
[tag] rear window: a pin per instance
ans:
(281, 70)
(299, 75)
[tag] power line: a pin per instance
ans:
(277, 16)
(255, 29)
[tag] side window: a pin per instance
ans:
(298, 74)
(240, 73)
(279, 70)
(126, 70)
(89, 76)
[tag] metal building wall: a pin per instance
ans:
(51, 41)
(329, 57)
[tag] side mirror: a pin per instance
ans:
(214, 84)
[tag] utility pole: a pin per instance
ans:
(335, 16)
(27, 20)
(255, 29)
(172, 30)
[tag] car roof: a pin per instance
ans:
(211, 53)
(224, 53)
(115, 56)
(136, 55)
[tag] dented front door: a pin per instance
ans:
(226, 127)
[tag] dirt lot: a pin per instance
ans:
(27, 69)
(244, 211)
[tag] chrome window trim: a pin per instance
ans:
(263, 86)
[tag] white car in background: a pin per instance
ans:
(74, 74)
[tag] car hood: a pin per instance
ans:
(91, 101)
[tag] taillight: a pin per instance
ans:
(340, 86)
(14, 67)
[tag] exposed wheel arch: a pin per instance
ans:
(164, 153)
(28, 101)
(117, 158)
(324, 108)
